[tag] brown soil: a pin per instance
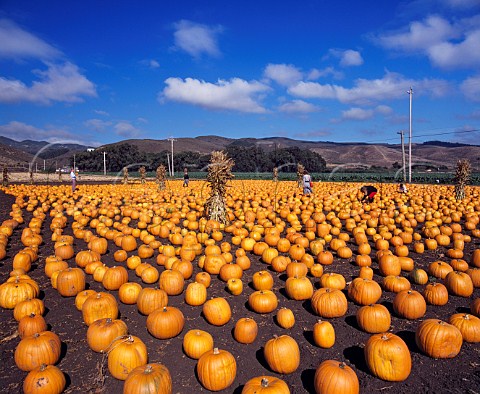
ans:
(87, 373)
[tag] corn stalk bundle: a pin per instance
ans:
(5, 176)
(275, 174)
(462, 177)
(142, 172)
(161, 175)
(300, 172)
(219, 173)
(125, 175)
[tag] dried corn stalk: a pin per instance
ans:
(462, 177)
(5, 176)
(300, 171)
(275, 174)
(142, 172)
(219, 173)
(161, 175)
(125, 175)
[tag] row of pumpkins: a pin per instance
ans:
(259, 232)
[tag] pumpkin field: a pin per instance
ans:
(132, 287)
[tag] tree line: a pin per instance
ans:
(246, 158)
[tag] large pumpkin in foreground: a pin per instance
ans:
(438, 339)
(216, 369)
(151, 378)
(282, 354)
(335, 377)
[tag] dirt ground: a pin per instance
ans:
(86, 370)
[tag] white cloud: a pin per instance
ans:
(357, 114)
(235, 94)
(150, 63)
(464, 54)
(347, 57)
(20, 131)
(126, 129)
(100, 112)
(16, 43)
(446, 44)
(471, 88)
(97, 125)
(316, 73)
(58, 83)
(298, 106)
(384, 109)
(462, 4)
(154, 64)
(420, 35)
(391, 86)
(283, 74)
(196, 39)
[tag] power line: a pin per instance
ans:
(426, 135)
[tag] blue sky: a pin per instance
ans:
(97, 72)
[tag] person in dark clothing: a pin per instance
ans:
(369, 193)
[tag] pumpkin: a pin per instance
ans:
(418, 276)
(435, 294)
(216, 369)
(166, 322)
(150, 378)
(128, 293)
(438, 339)
(265, 385)
(364, 291)
(262, 280)
(150, 299)
(282, 354)
(468, 325)
(27, 307)
(459, 284)
(389, 265)
(115, 277)
(196, 343)
(126, 354)
(102, 332)
(374, 318)
(44, 379)
(285, 318)
(299, 288)
(329, 303)
(37, 349)
(388, 357)
(475, 307)
(13, 292)
(217, 311)
(409, 304)
(246, 330)
(323, 334)
(474, 274)
(195, 294)
(98, 306)
(172, 282)
(70, 282)
(333, 280)
(263, 301)
(395, 284)
(31, 324)
(334, 377)
(439, 269)
(81, 297)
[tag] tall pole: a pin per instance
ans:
(171, 140)
(104, 163)
(410, 92)
(43, 165)
(169, 168)
(74, 167)
(403, 155)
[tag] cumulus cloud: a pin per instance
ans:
(391, 87)
(471, 88)
(283, 74)
(16, 43)
(235, 94)
(196, 39)
(462, 4)
(126, 129)
(20, 131)
(97, 125)
(298, 106)
(357, 114)
(446, 44)
(328, 71)
(58, 83)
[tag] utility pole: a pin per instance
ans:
(171, 139)
(74, 168)
(43, 165)
(169, 168)
(104, 163)
(403, 155)
(410, 93)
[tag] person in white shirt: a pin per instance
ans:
(74, 179)
(307, 183)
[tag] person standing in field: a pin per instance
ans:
(186, 178)
(307, 183)
(73, 177)
(369, 193)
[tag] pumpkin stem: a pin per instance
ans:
(148, 369)
(43, 367)
(165, 309)
(264, 382)
(215, 350)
